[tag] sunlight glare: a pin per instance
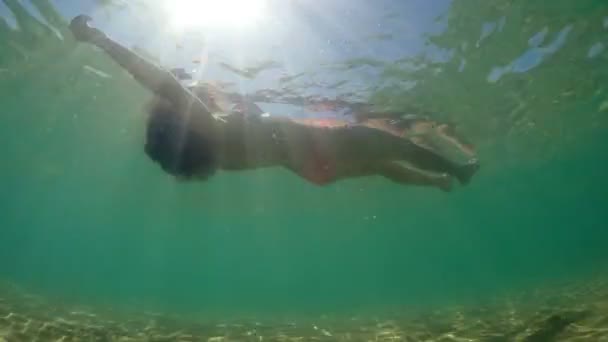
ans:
(188, 14)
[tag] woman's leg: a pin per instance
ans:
(429, 160)
(409, 176)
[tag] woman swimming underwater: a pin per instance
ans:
(188, 141)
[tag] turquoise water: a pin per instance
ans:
(85, 216)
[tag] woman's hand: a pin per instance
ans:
(82, 31)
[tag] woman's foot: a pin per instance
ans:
(465, 172)
(444, 182)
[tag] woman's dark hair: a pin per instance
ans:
(173, 141)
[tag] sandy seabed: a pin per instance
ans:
(576, 311)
